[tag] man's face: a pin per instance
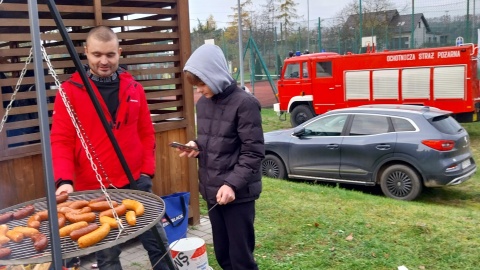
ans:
(204, 90)
(103, 57)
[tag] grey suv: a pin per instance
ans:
(402, 148)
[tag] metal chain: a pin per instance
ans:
(83, 139)
(17, 87)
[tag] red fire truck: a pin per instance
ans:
(445, 78)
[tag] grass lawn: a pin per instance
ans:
(306, 225)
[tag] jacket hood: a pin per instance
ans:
(209, 64)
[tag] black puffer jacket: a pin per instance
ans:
(230, 139)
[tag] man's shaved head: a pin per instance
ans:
(102, 33)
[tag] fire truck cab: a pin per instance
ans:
(445, 77)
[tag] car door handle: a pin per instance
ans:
(332, 146)
(383, 147)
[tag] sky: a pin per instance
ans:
(221, 9)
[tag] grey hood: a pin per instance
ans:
(209, 65)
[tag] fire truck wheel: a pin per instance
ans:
(300, 114)
(400, 182)
(273, 167)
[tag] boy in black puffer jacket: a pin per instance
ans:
(231, 149)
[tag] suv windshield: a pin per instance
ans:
(446, 124)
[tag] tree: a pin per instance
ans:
(203, 31)
(375, 18)
(209, 26)
(286, 13)
(231, 32)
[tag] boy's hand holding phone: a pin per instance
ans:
(189, 149)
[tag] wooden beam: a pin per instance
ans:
(97, 5)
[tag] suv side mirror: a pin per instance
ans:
(298, 131)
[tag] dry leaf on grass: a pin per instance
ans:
(349, 237)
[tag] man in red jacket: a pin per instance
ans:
(124, 105)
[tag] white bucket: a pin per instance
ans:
(190, 254)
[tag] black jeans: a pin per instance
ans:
(234, 235)
(108, 259)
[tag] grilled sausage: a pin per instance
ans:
(66, 209)
(61, 220)
(131, 218)
(62, 197)
(78, 204)
(64, 204)
(76, 234)
(70, 228)
(34, 221)
(5, 252)
(121, 210)
(26, 231)
(40, 241)
(101, 206)
(85, 209)
(4, 239)
(14, 236)
(73, 217)
(94, 237)
(24, 212)
(6, 217)
(110, 221)
(99, 199)
(3, 229)
(135, 206)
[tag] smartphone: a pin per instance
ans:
(183, 147)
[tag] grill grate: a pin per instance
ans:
(24, 253)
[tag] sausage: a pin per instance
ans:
(110, 221)
(121, 209)
(131, 218)
(14, 236)
(85, 209)
(62, 197)
(35, 220)
(61, 220)
(74, 235)
(99, 199)
(101, 206)
(4, 239)
(43, 215)
(70, 228)
(40, 241)
(24, 212)
(78, 204)
(94, 237)
(26, 231)
(6, 217)
(88, 217)
(5, 252)
(3, 229)
(135, 206)
(66, 209)
(60, 205)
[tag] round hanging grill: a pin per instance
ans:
(24, 252)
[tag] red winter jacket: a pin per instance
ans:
(133, 130)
